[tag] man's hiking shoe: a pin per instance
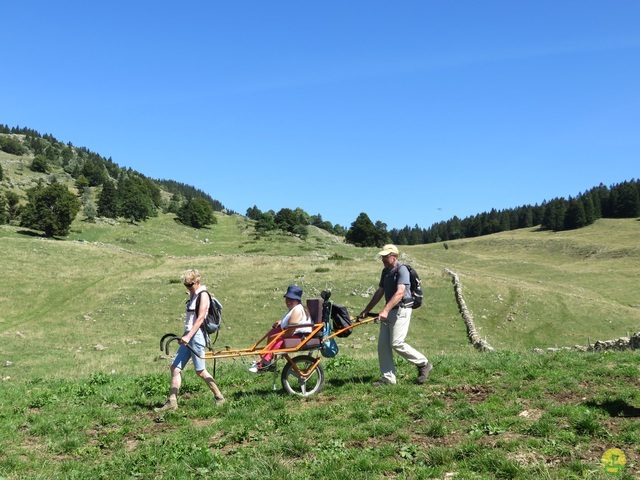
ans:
(169, 405)
(220, 401)
(423, 372)
(261, 367)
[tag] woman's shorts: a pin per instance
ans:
(184, 354)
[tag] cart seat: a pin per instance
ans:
(314, 305)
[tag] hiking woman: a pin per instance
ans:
(194, 337)
(297, 314)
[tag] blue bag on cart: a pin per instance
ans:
(329, 347)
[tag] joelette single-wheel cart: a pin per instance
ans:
(302, 374)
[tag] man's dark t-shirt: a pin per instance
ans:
(390, 285)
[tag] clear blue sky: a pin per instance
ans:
(410, 111)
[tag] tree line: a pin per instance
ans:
(129, 194)
(621, 200)
(295, 221)
(618, 201)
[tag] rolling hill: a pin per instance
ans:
(526, 288)
(81, 369)
(114, 284)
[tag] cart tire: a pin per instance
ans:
(296, 384)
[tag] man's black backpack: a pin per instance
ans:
(341, 319)
(212, 321)
(416, 287)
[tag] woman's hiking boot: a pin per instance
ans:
(169, 405)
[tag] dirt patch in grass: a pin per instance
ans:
(527, 459)
(566, 397)
(472, 393)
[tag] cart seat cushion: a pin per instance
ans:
(291, 342)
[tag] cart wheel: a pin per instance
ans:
(302, 385)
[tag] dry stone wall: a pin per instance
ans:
(622, 343)
(472, 333)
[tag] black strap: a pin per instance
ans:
(198, 301)
(207, 338)
(403, 303)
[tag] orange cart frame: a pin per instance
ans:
(302, 374)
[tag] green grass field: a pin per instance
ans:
(81, 319)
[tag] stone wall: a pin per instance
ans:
(472, 333)
(622, 343)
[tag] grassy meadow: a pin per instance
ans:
(81, 368)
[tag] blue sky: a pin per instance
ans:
(411, 111)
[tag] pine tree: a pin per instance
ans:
(589, 209)
(253, 213)
(626, 200)
(50, 209)
(13, 204)
(575, 216)
(133, 201)
(362, 232)
(554, 215)
(108, 200)
(266, 222)
(95, 171)
(525, 219)
(381, 234)
(40, 164)
(288, 219)
(4, 215)
(12, 145)
(82, 184)
(196, 213)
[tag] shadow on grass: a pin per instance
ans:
(30, 233)
(616, 408)
(339, 382)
